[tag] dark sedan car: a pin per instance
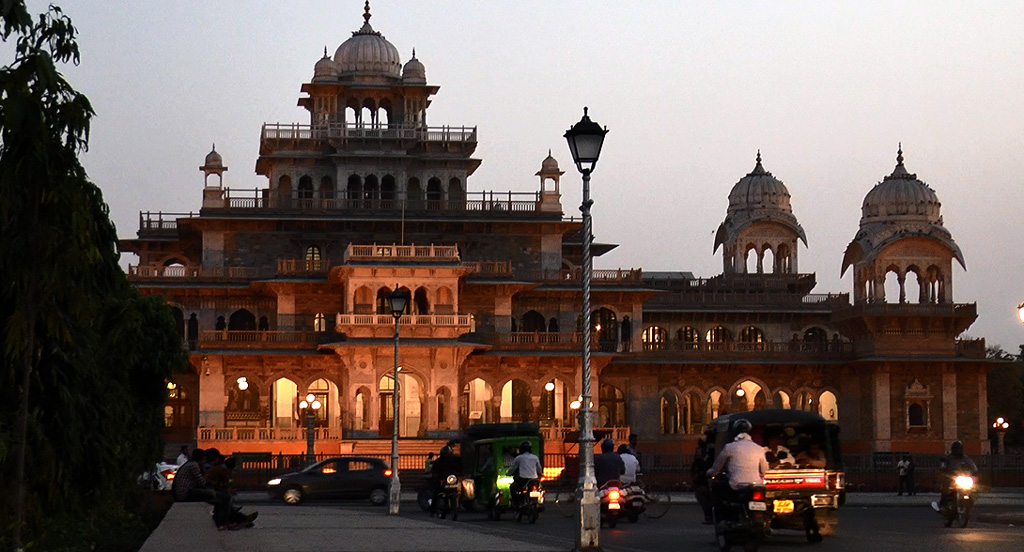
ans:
(340, 477)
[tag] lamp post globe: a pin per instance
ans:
(398, 302)
(585, 140)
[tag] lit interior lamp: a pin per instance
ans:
(171, 386)
(740, 392)
(549, 386)
(243, 384)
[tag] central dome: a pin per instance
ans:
(368, 52)
(901, 195)
(759, 190)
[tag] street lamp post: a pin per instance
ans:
(397, 301)
(309, 407)
(585, 139)
(1001, 425)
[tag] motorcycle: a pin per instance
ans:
(613, 502)
(959, 501)
(634, 503)
(529, 502)
(740, 518)
(447, 498)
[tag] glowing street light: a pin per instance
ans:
(309, 406)
(1001, 425)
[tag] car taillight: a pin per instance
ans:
(614, 494)
(387, 472)
(758, 495)
(168, 474)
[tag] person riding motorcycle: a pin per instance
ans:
(524, 467)
(608, 466)
(744, 458)
(953, 464)
(446, 464)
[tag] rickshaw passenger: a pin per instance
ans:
(812, 456)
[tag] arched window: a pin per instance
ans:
(612, 406)
(320, 322)
(354, 191)
(654, 338)
(718, 334)
(387, 190)
(915, 415)
(443, 402)
(688, 337)
(456, 195)
(421, 301)
(371, 192)
(242, 319)
(781, 399)
(803, 401)
(361, 415)
(313, 260)
(516, 404)
(752, 334)
(434, 193)
(815, 335)
(828, 407)
(692, 413)
(305, 187)
(605, 329)
(533, 321)
(669, 413)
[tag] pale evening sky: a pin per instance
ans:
(689, 91)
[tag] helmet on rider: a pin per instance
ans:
(447, 451)
(741, 426)
(956, 449)
(525, 446)
(607, 445)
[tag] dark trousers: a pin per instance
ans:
(703, 494)
(223, 504)
(903, 484)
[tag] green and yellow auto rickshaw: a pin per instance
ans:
(487, 452)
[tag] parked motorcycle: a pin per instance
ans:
(959, 501)
(529, 502)
(740, 517)
(447, 498)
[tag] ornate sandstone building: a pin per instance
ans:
(282, 291)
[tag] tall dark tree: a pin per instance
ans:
(84, 357)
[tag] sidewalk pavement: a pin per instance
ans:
(314, 528)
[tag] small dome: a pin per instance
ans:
(759, 190)
(901, 196)
(414, 72)
(368, 52)
(325, 70)
(549, 163)
(213, 159)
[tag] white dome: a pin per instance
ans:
(368, 52)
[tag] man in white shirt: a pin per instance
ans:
(524, 467)
(632, 466)
(744, 458)
(184, 456)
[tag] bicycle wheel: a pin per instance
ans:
(658, 503)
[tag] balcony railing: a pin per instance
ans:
(161, 222)
(597, 275)
(292, 267)
(453, 320)
(473, 202)
(489, 268)
(250, 339)
(192, 272)
(295, 131)
(712, 298)
(764, 349)
(266, 433)
(375, 252)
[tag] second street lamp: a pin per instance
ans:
(1001, 425)
(309, 407)
(585, 139)
(397, 301)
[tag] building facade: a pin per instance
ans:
(282, 291)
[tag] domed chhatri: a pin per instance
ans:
(549, 164)
(368, 52)
(901, 195)
(414, 72)
(759, 218)
(213, 159)
(759, 190)
(325, 69)
(213, 164)
(901, 231)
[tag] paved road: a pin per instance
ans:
(861, 528)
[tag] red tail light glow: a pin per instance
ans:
(168, 474)
(758, 495)
(387, 472)
(614, 495)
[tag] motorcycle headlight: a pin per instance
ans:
(964, 482)
(275, 481)
(451, 479)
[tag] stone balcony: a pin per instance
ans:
(258, 339)
(439, 326)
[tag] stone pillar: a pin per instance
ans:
(949, 413)
(212, 394)
(883, 422)
(213, 248)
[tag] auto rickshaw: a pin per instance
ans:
(802, 494)
(487, 453)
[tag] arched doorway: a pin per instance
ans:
(410, 407)
(476, 405)
(611, 406)
(605, 329)
(516, 404)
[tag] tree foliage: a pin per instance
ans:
(83, 357)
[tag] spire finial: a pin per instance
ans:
(758, 156)
(899, 154)
(585, 111)
(549, 152)
(214, 147)
(366, 14)
(414, 53)
(325, 50)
